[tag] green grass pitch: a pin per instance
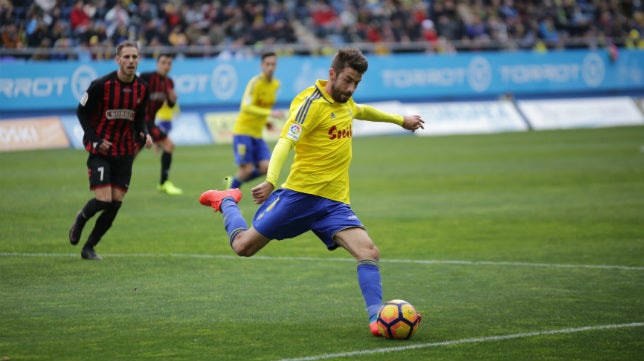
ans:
(516, 246)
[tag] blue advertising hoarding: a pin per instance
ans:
(33, 86)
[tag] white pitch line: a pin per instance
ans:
(464, 341)
(279, 258)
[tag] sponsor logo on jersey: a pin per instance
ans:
(157, 96)
(335, 133)
(120, 114)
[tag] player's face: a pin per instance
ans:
(164, 64)
(128, 61)
(268, 66)
(344, 84)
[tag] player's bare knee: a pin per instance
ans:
(168, 145)
(370, 252)
(241, 246)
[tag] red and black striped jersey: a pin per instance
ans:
(114, 111)
(159, 86)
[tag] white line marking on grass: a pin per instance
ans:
(278, 258)
(464, 341)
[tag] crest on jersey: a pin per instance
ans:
(294, 132)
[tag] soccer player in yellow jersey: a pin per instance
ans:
(250, 149)
(315, 195)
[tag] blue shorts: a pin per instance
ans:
(287, 214)
(165, 125)
(249, 150)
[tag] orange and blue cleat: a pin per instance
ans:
(213, 198)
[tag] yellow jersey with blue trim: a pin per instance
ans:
(166, 112)
(258, 100)
(321, 131)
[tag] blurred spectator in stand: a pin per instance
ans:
(155, 46)
(447, 27)
(63, 50)
(172, 17)
(95, 31)
(91, 10)
(216, 30)
(323, 18)
(11, 37)
(634, 40)
(144, 14)
(278, 26)
(46, 5)
(101, 50)
(484, 25)
(235, 50)
(177, 37)
(36, 29)
(121, 33)
(115, 17)
(6, 13)
(79, 20)
(206, 48)
(42, 52)
(256, 33)
(429, 32)
(548, 32)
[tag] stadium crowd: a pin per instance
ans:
(66, 29)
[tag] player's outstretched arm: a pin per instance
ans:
(413, 122)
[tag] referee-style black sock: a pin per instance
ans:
(166, 159)
(103, 223)
(92, 207)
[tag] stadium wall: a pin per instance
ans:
(456, 94)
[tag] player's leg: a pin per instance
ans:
(103, 223)
(88, 211)
(167, 148)
(248, 242)
(244, 241)
(260, 157)
(358, 243)
(98, 170)
(244, 171)
(121, 174)
(243, 153)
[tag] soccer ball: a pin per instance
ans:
(398, 319)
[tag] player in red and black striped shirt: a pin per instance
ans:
(112, 114)
(161, 91)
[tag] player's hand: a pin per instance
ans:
(148, 140)
(172, 95)
(413, 122)
(269, 126)
(261, 192)
(104, 146)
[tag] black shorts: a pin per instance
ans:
(114, 171)
(157, 133)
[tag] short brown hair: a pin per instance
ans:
(267, 54)
(349, 57)
(126, 44)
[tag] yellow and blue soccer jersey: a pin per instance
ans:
(321, 131)
(166, 112)
(257, 102)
